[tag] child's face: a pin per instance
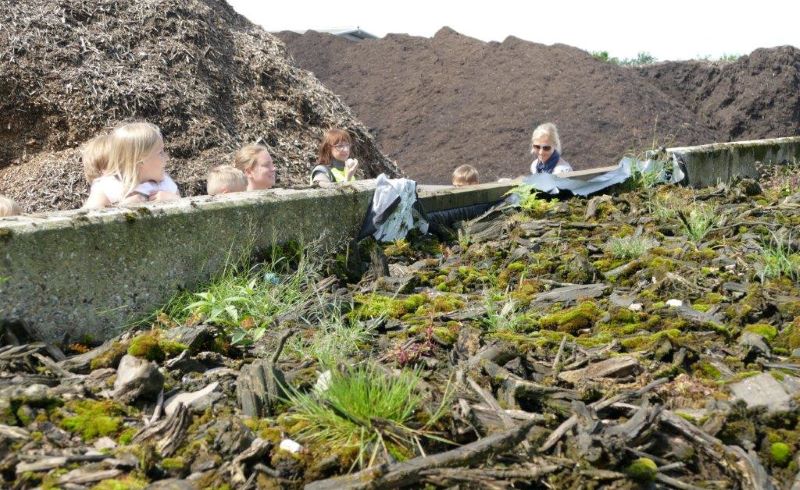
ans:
(152, 167)
(341, 151)
(262, 174)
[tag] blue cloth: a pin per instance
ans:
(548, 166)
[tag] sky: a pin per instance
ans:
(667, 30)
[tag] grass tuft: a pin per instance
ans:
(365, 410)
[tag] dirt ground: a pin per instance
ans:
(208, 77)
(436, 103)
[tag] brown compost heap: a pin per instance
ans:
(436, 103)
(208, 77)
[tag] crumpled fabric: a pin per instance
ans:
(392, 213)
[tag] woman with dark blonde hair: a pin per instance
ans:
(334, 163)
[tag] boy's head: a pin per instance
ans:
(465, 175)
(224, 179)
(8, 207)
(94, 155)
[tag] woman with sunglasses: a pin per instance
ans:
(334, 162)
(546, 149)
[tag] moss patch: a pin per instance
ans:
(151, 346)
(93, 418)
(571, 320)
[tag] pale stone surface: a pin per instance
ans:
(195, 401)
(762, 391)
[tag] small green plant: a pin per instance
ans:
(662, 207)
(334, 340)
(699, 222)
(642, 58)
(729, 57)
(363, 409)
(605, 57)
(245, 300)
(464, 239)
(503, 319)
(628, 247)
(777, 260)
(530, 200)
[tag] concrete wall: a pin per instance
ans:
(76, 274)
(720, 162)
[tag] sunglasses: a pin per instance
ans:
(342, 147)
(542, 147)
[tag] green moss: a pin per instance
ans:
(127, 483)
(789, 337)
(713, 298)
(151, 346)
(701, 307)
(643, 470)
(111, 358)
(648, 341)
(126, 436)
(173, 463)
(442, 304)
(573, 319)
(376, 305)
(93, 418)
(763, 329)
(707, 370)
(780, 453)
(398, 248)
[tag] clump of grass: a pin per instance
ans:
(505, 318)
(363, 409)
(245, 300)
(628, 247)
(334, 340)
(699, 222)
(777, 260)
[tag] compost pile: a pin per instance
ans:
(436, 103)
(756, 96)
(208, 77)
(652, 336)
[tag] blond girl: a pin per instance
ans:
(135, 171)
(256, 163)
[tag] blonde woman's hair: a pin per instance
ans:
(550, 130)
(465, 175)
(94, 155)
(130, 144)
(245, 158)
(8, 207)
(225, 178)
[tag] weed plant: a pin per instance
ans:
(365, 410)
(777, 260)
(628, 247)
(503, 319)
(530, 200)
(246, 299)
(699, 222)
(334, 340)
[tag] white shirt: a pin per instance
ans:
(111, 186)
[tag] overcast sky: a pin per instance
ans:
(668, 29)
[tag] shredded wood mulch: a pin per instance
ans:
(208, 77)
(558, 354)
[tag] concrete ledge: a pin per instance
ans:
(721, 162)
(73, 275)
